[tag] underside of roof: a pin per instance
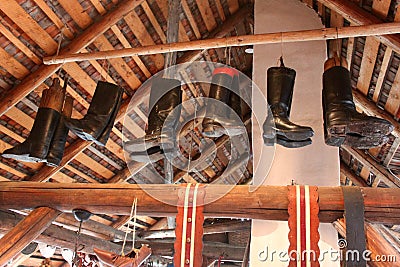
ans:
(33, 29)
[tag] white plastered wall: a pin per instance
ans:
(316, 164)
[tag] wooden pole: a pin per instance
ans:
(269, 38)
(266, 202)
(25, 232)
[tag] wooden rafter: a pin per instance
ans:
(267, 202)
(24, 232)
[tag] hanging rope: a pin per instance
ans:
(61, 38)
(133, 211)
(76, 257)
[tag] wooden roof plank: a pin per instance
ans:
(19, 16)
(233, 6)
(12, 66)
(21, 46)
(380, 8)
(77, 13)
(191, 19)
(81, 77)
(207, 15)
(393, 101)
(118, 63)
(164, 9)
(54, 18)
(382, 73)
(126, 44)
(154, 21)
(140, 31)
(94, 165)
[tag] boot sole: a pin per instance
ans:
(287, 143)
(142, 145)
(295, 136)
(360, 142)
(215, 131)
(363, 128)
(23, 157)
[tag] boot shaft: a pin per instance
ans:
(337, 87)
(165, 96)
(104, 99)
(280, 85)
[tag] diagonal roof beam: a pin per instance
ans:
(78, 146)
(37, 77)
(359, 16)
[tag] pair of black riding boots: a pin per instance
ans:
(343, 125)
(165, 111)
(48, 136)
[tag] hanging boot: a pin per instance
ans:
(100, 117)
(343, 124)
(116, 260)
(280, 85)
(222, 118)
(165, 98)
(36, 146)
(57, 146)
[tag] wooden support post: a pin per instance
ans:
(269, 38)
(25, 232)
(266, 202)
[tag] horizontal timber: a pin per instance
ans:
(242, 201)
(243, 40)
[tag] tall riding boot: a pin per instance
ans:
(280, 85)
(343, 124)
(220, 115)
(165, 100)
(97, 123)
(116, 260)
(36, 146)
(57, 146)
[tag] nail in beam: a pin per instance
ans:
(267, 202)
(269, 38)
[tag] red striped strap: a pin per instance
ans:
(189, 227)
(226, 70)
(303, 226)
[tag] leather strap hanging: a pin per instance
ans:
(355, 232)
(303, 225)
(189, 227)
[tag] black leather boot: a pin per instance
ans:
(223, 119)
(100, 117)
(280, 85)
(342, 123)
(36, 145)
(57, 146)
(165, 98)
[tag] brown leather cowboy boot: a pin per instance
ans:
(116, 260)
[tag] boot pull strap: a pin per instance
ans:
(281, 61)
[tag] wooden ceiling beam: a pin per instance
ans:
(359, 16)
(37, 77)
(25, 232)
(243, 40)
(266, 202)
